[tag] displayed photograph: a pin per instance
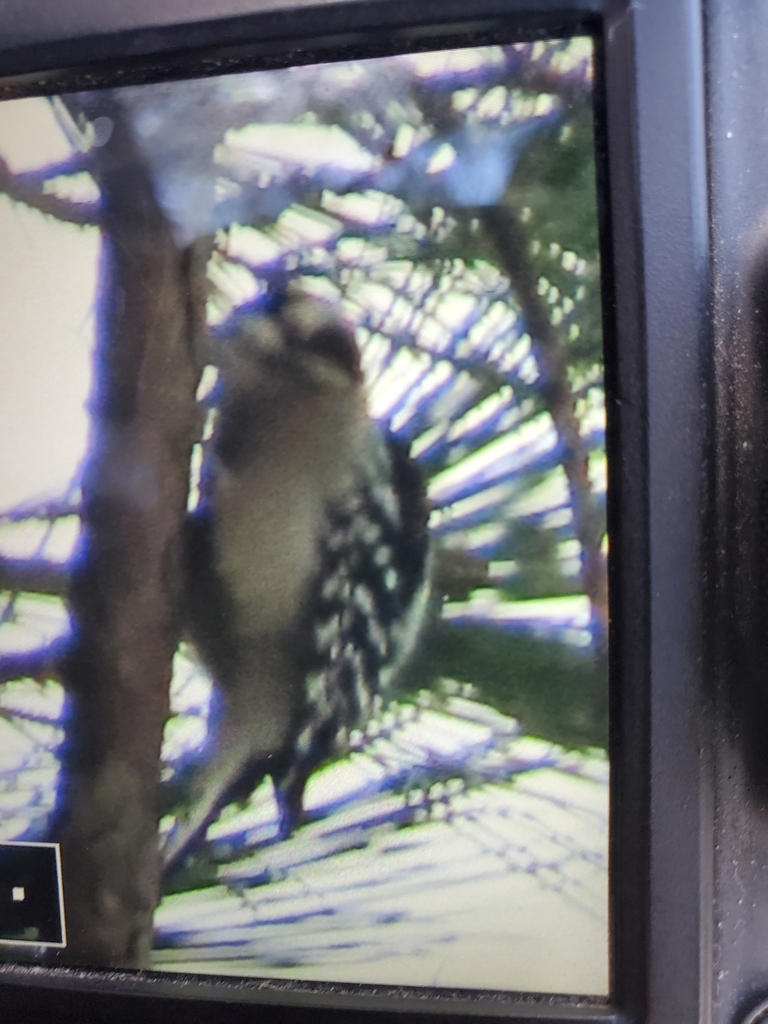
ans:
(303, 588)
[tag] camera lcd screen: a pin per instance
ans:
(303, 593)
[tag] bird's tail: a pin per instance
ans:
(217, 784)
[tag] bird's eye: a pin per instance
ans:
(335, 343)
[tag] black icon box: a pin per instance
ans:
(31, 904)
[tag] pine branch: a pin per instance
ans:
(22, 189)
(33, 575)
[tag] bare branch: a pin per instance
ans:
(49, 511)
(33, 575)
(40, 664)
(74, 164)
(29, 192)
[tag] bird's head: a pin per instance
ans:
(300, 335)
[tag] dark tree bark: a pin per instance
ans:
(124, 593)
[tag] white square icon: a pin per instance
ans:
(31, 898)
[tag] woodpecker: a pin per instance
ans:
(305, 561)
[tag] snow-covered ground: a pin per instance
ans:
(493, 877)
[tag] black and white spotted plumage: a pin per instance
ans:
(365, 609)
(306, 560)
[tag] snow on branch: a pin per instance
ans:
(33, 575)
(25, 189)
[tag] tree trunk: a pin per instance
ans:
(503, 227)
(124, 595)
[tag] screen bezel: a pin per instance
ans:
(651, 140)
